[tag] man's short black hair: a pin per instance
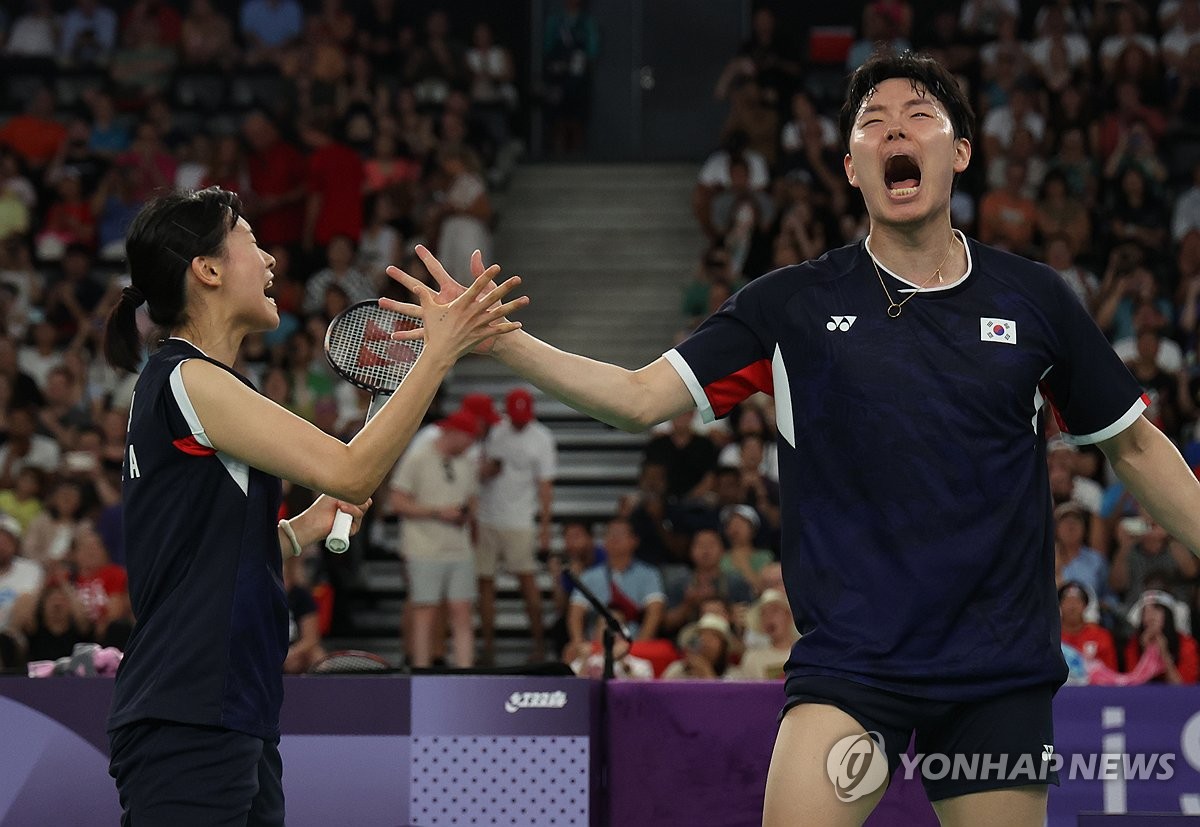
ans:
(927, 77)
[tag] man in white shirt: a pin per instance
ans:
(25, 447)
(517, 476)
(434, 489)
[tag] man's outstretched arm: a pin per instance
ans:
(1155, 473)
(632, 400)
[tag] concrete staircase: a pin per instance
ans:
(604, 251)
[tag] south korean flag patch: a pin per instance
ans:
(998, 330)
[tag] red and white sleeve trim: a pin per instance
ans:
(1127, 419)
(676, 360)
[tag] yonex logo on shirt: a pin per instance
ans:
(841, 323)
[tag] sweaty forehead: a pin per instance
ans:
(897, 92)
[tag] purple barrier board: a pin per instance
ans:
(697, 753)
(357, 750)
(391, 751)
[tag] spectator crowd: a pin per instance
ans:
(353, 131)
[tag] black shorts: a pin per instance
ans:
(194, 776)
(1000, 742)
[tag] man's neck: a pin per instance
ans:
(622, 565)
(916, 252)
(1073, 628)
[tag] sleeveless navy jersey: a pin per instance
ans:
(205, 571)
(918, 539)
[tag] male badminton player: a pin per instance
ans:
(194, 725)
(911, 373)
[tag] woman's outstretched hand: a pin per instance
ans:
(457, 318)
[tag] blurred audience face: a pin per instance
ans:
(276, 387)
(259, 131)
(1148, 342)
(1069, 530)
(90, 553)
(21, 424)
(340, 252)
(776, 620)
(707, 550)
(772, 576)
(28, 485)
(710, 645)
(66, 500)
(1154, 617)
(739, 530)
(577, 543)
(619, 543)
(1070, 608)
(1058, 254)
(653, 479)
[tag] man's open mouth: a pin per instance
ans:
(902, 175)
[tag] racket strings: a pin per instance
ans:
(360, 346)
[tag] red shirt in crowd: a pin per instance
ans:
(1188, 663)
(35, 139)
(94, 590)
(335, 172)
(273, 173)
(1094, 641)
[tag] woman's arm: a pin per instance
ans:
(246, 425)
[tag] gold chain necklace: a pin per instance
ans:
(893, 310)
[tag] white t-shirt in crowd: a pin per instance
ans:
(23, 577)
(527, 457)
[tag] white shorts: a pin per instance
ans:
(511, 546)
(432, 581)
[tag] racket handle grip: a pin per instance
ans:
(339, 536)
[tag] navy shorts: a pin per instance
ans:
(1000, 742)
(194, 776)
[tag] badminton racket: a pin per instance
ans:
(360, 348)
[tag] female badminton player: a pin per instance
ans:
(194, 725)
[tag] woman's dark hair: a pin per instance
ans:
(927, 77)
(1169, 631)
(164, 237)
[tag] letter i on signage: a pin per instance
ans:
(1113, 743)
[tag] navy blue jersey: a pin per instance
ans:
(205, 570)
(918, 543)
